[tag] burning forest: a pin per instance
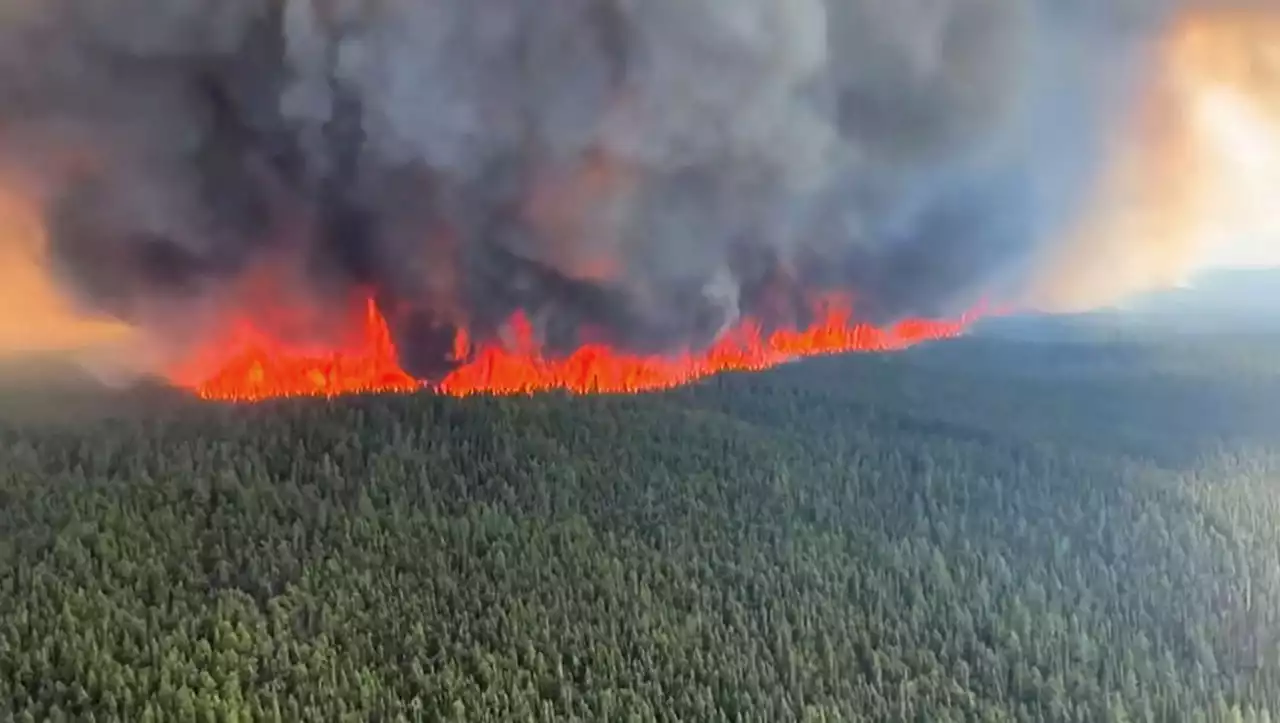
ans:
(317, 198)
(248, 364)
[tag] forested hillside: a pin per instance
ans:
(993, 529)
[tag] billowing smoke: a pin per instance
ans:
(640, 171)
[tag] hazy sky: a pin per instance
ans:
(1193, 175)
(1258, 252)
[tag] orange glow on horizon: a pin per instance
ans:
(1226, 67)
(253, 366)
(1193, 177)
(35, 314)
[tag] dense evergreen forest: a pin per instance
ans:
(1076, 528)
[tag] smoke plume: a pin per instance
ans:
(635, 172)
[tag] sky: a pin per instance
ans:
(1192, 174)
(1230, 73)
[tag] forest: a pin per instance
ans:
(1079, 526)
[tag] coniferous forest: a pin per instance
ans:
(1077, 528)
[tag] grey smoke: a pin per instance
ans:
(648, 169)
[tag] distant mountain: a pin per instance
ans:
(1229, 301)
(1233, 292)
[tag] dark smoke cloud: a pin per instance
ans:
(644, 171)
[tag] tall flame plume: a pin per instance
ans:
(252, 365)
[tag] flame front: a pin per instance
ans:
(250, 365)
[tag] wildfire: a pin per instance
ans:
(252, 365)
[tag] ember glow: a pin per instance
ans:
(250, 365)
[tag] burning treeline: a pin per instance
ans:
(290, 196)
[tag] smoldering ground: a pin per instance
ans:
(640, 171)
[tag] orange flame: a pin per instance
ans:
(252, 365)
